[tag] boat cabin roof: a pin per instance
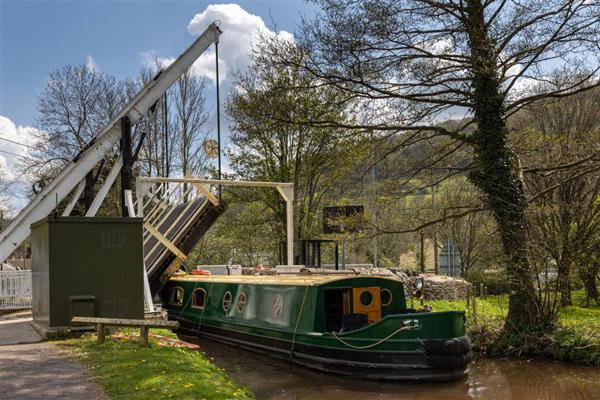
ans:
(298, 280)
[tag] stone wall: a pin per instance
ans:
(437, 287)
(441, 287)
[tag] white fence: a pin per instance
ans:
(15, 289)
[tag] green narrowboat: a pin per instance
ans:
(345, 324)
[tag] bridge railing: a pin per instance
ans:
(15, 290)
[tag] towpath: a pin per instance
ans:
(30, 369)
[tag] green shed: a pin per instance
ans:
(86, 267)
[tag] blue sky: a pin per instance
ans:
(38, 36)
(118, 37)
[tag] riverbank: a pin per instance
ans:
(167, 369)
(576, 338)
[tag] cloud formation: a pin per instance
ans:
(241, 31)
(90, 64)
(14, 142)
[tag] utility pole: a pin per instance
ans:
(422, 252)
(436, 260)
(374, 192)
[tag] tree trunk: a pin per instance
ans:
(564, 282)
(496, 174)
(589, 275)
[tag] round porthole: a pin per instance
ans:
(227, 300)
(386, 297)
(277, 309)
(366, 298)
(240, 303)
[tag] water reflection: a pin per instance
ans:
(270, 379)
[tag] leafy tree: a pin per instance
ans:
(558, 143)
(271, 142)
(412, 62)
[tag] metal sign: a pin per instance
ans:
(341, 219)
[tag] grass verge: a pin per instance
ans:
(127, 371)
(576, 338)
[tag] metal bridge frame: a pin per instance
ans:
(286, 190)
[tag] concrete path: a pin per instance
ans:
(17, 330)
(31, 371)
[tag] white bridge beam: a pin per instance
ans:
(43, 204)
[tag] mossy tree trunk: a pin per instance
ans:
(496, 172)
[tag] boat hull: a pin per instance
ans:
(412, 366)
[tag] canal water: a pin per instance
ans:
(271, 379)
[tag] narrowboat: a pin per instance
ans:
(351, 325)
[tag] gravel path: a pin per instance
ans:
(39, 370)
(43, 371)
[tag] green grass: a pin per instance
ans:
(127, 371)
(576, 338)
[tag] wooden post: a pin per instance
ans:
(481, 290)
(144, 335)
(100, 331)
(468, 298)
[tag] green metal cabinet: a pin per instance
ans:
(87, 267)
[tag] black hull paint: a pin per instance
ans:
(389, 366)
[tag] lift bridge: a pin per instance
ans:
(176, 212)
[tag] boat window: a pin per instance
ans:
(176, 297)
(240, 304)
(366, 298)
(227, 299)
(386, 297)
(198, 298)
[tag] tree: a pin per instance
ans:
(175, 128)
(558, 142)
(76, 103)
(270, 143)
(5, 191)
(416, 61)
(190, 123)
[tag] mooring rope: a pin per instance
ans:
(372, 344)
(297, 322)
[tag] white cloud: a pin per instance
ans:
(90, 64)
(15, 142)
(241, 31)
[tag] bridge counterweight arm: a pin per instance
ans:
(43, 204)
